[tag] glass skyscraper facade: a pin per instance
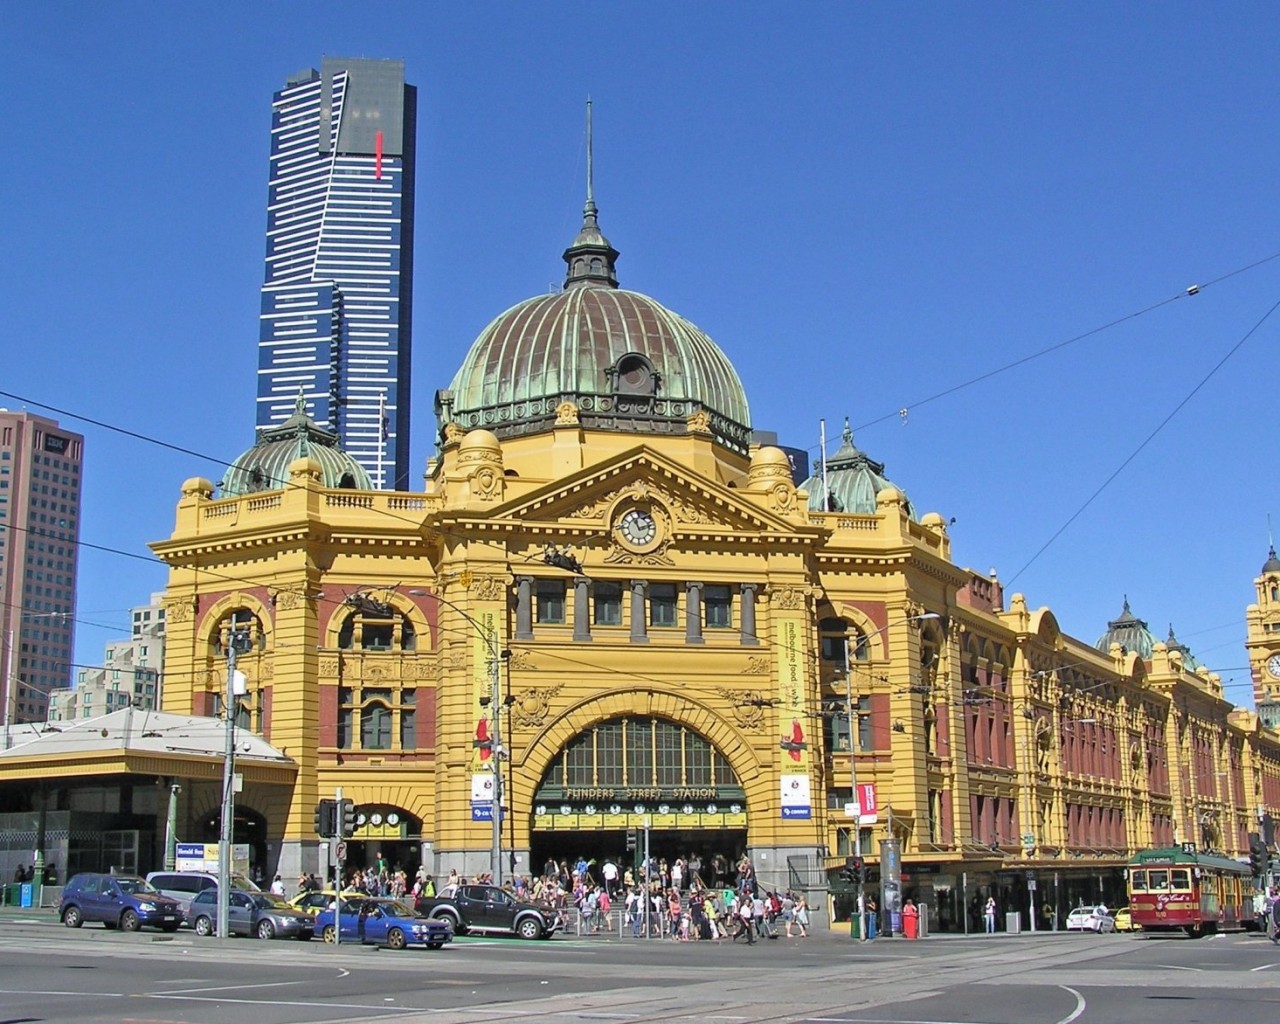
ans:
(337, 297)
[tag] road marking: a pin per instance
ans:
(1080, 1004)
(1175, 967)
(290, 1002)
(221, 988)
(1262, 968)
(55, 992)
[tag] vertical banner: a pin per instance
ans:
(484, 632)
(793, 744)
(482, 689)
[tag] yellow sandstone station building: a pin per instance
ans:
(610, 592)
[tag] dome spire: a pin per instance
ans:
(590, 257)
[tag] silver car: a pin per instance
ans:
(251, 913)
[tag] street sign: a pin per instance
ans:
(853, 809)
(340, 851)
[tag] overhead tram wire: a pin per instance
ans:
(1185, 293)
(1146, 441)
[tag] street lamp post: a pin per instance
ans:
(238, 642)
(489, 635)
(853, 764)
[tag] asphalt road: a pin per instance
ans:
(52, 974)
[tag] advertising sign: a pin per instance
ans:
(796, 803)
(866, 803)
(204, 857)
(482, 796)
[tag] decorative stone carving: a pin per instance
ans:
(453, 433)
(789, 599)
(486, 483)
(566, 414)
(266, 670)
(522, 661)
(488, 588)
(699, 422)
(286, 600)
(330, 667)
(533, 706)
(179, 611)
(617, 555)
(757, 666)
(747, 707)
(782, 498)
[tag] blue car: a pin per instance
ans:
(118, 901)
(384, 922)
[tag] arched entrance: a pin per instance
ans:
(386, 834)
(249, 828)
(628, 773)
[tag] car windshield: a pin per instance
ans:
(396, 908)
(267, 902)
(135, 886)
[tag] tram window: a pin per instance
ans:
(1181, 878)
(1159, 881)
(1137, 881)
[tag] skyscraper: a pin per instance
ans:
(39, 528)
(337, 298)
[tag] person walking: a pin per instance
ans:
(989, 915)
(800, 917)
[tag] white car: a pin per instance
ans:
(1091, 919)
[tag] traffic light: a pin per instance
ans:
(327, 818)
(631, 840)
(347, 818)
(849, 873)
(1257, 855)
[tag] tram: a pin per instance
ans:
(1177, 889)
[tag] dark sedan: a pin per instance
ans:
(251, 913)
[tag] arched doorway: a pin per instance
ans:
(387, 834)
(250, 829)
(628, 773)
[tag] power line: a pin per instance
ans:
(1146, 441)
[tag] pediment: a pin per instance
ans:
(587, 502)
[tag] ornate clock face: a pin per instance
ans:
(1273, 666)
(638, 527)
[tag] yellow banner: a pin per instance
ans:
(484, 637)
(795, 741)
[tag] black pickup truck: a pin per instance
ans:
(482, 909)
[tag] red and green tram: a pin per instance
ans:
(1176, 889)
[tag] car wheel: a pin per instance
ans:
(203, 927)
(452, 922)
(330, 935)
(266, 930)
(395, 939)
(528, 929)
(129, 921)
(72, 917)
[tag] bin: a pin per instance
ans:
(26, 895)
(855, 930)
(911, 922)
(1013, 922)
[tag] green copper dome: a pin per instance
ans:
(265, 466)
(625, 361)
(853, 480)
(1130, 632)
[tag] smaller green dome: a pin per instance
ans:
(853, 480)
(1130, 632)
(1189, 661)
(265, 466)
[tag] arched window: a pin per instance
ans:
(373, 626)
(238, 620)
(630, 755)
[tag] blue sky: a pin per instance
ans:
(864, 204)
